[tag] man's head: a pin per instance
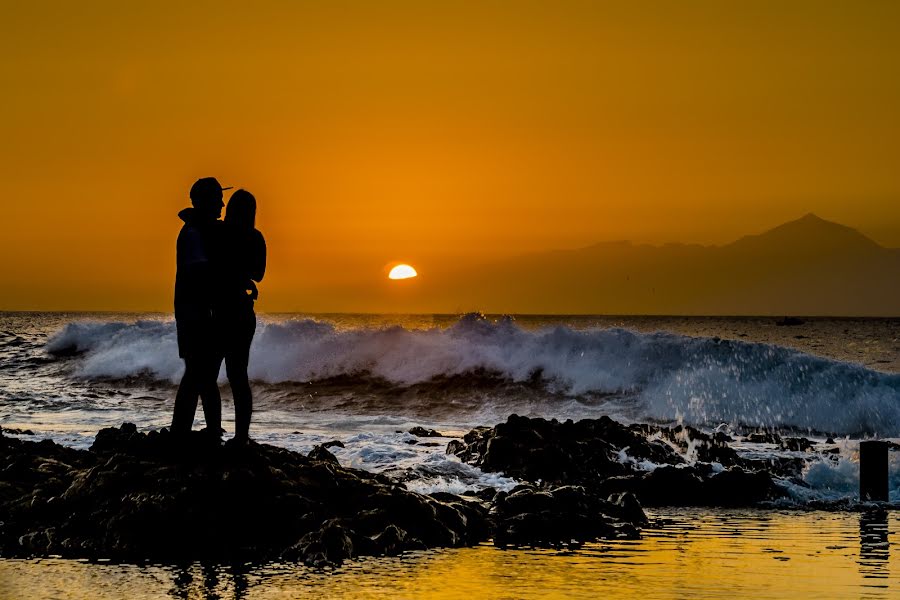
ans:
(206, 197)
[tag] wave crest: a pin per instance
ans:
(704, 381)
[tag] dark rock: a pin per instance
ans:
(455, 446)
(797, 444)
(764, 437)
(631, 510)
(708, 448)
(736, 487)
(600, 455)
(420, 431)
(393, 540)
(671, 486)
(327, 546)
(779, 466)
(561, 516)
(586, 452)
(148, 496)
(553, 452)
(320, 452)
(15, 431)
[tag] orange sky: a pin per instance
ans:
(375, 132)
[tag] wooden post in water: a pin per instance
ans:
(873, 471)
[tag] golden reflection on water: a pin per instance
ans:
(710, 554)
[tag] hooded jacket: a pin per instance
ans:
(196, 254)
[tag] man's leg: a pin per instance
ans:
(186, 398)
(209, 395)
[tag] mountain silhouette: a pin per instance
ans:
(809, 234)
(809, 266)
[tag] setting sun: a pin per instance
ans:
(402, 272)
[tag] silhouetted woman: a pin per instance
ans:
(243, 264)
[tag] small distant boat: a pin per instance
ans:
(789, 321)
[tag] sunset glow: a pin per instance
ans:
(402, 272)
(372, 130)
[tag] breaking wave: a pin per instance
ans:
(704, 381)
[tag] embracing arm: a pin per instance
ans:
(258, 256)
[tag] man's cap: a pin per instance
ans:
(205, 187)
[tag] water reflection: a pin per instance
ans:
(209, 582)
(702, 555)
(874, 546)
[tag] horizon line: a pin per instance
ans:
(461, 314)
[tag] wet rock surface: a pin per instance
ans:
(145, 496)
(562, 516)
(607, 458)
(420, 431)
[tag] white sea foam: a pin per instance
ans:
(838, 478)
(705, 381)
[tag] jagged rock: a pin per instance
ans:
(602, 455)
(763, 437)
(420, 431)
(15, 431)
(582, 453)
(737, 487)
(394, 540)
(149, 496)
(631, 509)
(456, 447)
(561, 453)
(797, 444)
(327, 546)
(670, 486)
(320, 452)
(561, 516)
(779, 466)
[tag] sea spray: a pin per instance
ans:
(705, 381)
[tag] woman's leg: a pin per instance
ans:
(237, 359)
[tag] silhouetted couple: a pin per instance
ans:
(219, 263)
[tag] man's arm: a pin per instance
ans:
(193, 282)
(190, 250)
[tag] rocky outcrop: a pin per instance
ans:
(562, 516)
(606, 457)
(420, 431)
(582, 453)
(137, 496)
(148, 496)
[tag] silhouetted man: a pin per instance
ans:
(196, 282)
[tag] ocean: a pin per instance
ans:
(367, 379)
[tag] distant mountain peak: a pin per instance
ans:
(812, 219)
(810, 231)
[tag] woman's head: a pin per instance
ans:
(241, 210)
